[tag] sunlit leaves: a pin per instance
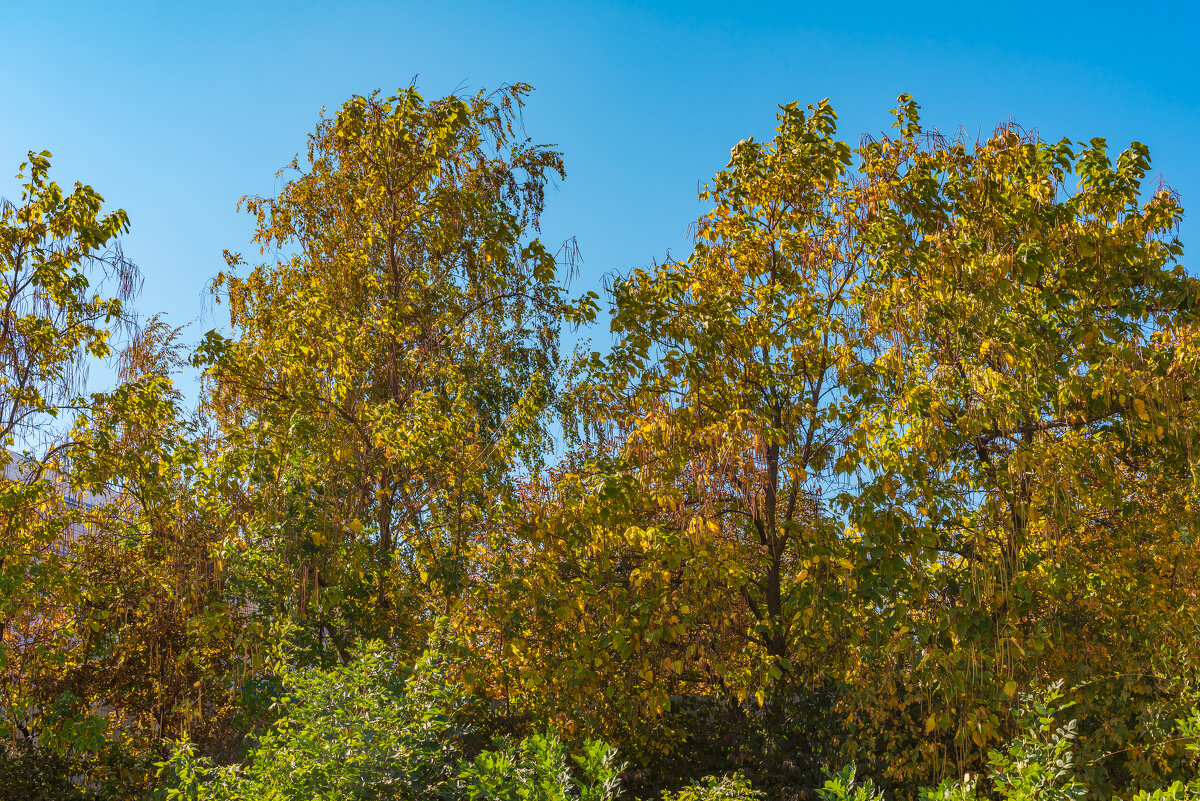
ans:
(1026, 382)
(392, 369)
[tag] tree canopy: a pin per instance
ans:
(906, 439)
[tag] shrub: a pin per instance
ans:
(732, 787)
(373, 730)
(536, 770)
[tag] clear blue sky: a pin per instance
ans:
(174, 110)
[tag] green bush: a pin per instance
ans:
(37, 774)
(373, 730)
(846, 786)
(41, 773)
(366, 730)
(733, 787)
(536, 770)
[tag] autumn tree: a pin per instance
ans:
(64, 285)
(388, 373)
(689, 545)
(1027, 437)
(913, 420)
(113, 631)
(161, 647)
(61, 259)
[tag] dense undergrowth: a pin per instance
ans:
(374, 729)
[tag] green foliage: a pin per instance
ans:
(37, 775)
(1040, 762)
(846, 786)
(732, 787)
(536, 770)
(373, 729)
(40, 773)
(368, 729)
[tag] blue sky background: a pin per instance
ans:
(175, 110)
